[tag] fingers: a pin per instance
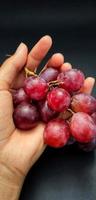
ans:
(66, 66)
(56, 60)
(88, 85)
(12, 66)
(38, 52)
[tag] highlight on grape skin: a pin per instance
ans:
(54, 98)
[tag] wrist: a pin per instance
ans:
(11, 182)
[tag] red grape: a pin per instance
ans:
(36, 88)
(45, 111)
(83, 103)
(56, 133)
(58, 99)
(82, 127)
(19, 96)
(94, 117)
(49, 74)
(25, 116)
(71, 80)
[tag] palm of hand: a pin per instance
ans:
(20, 147)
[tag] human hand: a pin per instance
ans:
(19, 150)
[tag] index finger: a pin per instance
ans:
(38, 52)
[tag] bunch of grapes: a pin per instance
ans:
(54, 97)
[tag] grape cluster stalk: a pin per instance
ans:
(54, 98)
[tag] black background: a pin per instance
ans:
(66, 173)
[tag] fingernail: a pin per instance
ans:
(47, 38)
(91, 80)
(68, 65)
(19, 48)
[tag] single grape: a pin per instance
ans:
(56, 133)
(71, 80)
(82, 127)
(94, 117)
(58, 99)
(91, 146)
(19, 96)
(49, 74)
(46, 112)
(36, 88)
(83, 103)
(25, 116)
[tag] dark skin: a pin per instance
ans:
(19, 150)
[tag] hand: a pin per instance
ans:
(19, 150)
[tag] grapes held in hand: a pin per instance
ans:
(53, 97)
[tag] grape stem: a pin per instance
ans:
(29, 73)
(44, 68)
(66, 115)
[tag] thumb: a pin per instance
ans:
(12, 66)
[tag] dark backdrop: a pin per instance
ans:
(66, 173)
